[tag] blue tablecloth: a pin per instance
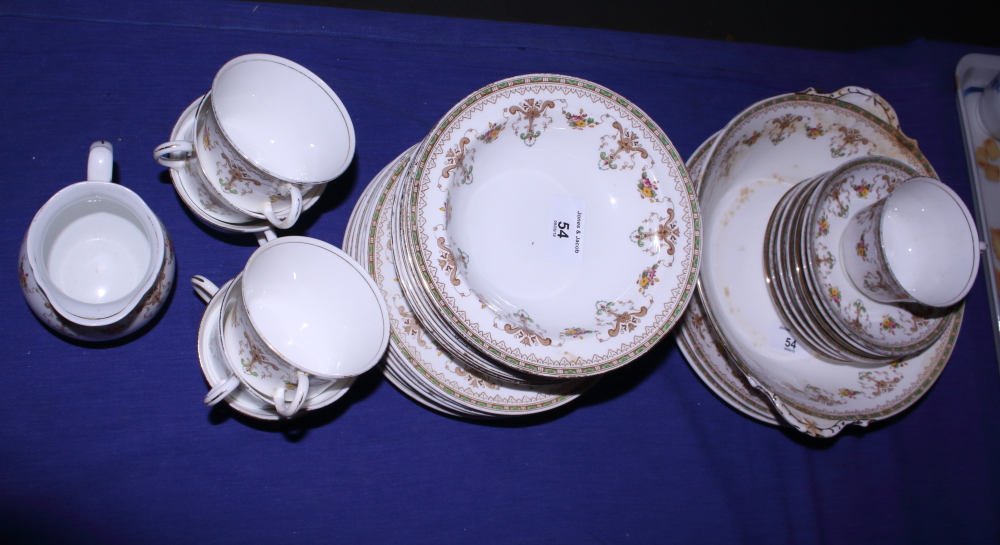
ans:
(111, 443)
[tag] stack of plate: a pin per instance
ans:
(811, 290)
(754, 308)
(545, 232)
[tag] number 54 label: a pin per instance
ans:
(567, 229)
(781, 339)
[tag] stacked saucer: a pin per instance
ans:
(417, 363)
(767, 326)
(543, 233)
(811, 289)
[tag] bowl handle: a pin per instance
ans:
(265, 236)
(163, 152)
(807, 424)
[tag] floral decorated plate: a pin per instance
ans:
(416, 354)
(706, 356)
(761, 154)
(566, 210)
(357, 235)
(885, 329)
(189, 183)
(804, 294)
(425, 309)
(795, 302)
(416, 395)
(779, 278)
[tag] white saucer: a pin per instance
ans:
(190, 186)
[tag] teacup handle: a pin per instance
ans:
(289, 409)
(265, 236)
(222, 390)
(293, 212)
(100, 162)
(163, 151)
(204, 288)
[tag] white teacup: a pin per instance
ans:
(268, 128)
(96, 263)
(302, 311)
(252, 366)
(315, 307)
(919, 244)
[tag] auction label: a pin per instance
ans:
(566, 237)
(781, 339)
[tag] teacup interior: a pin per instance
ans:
(283, 120)
(930, 242)
(314, 308)
(96, 251)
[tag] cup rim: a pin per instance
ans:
(252, 57)
(73, 309)
(383, 310)
(973, 240)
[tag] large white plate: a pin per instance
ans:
(553, 225)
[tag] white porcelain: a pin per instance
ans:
(217, 371)
(836, 330)
(268, 129)
(697, 340)
(425, 307)
(989, 107)
(254, 369)
(198, 195)
(921, 246)
(450, 341)
(417, 362)
(96, 263)
(315, 307)
(554, 226)
(760, 155)
(861, 324)
(791, 304)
